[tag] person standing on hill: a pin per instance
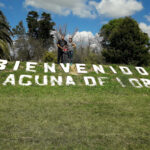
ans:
(71, 47)
(61, 44)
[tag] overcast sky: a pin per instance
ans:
(86, 15)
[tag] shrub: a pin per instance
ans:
(50, 57)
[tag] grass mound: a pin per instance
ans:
(76, 117)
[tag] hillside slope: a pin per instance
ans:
(74, 117)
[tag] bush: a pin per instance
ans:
(125, 43)
(50, 57)
(94, 58)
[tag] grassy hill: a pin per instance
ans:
(77, 117)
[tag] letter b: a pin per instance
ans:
(3, 64)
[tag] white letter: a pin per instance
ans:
(69, 81)
(45, 80)
(28, 82)
(81, 68)
(53, 80)
(16, 66)
(98, 69)
(135, 83)
(113, 70)
(101, 82)
(87, 82)
(146, 82)
(65, 68)
(3, 64)
(120, 82)
(125, 70)
(51, 68)
(30, 66)
(142, 71)
(10, 79)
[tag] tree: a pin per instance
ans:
(40, 36)
(25, 47)
(21, 45)
(33, 26)
(41, 28)
(19, 31)
(5, 39)
(124, 42)
(45, 27)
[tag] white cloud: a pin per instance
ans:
(87, 38)
(145, 28)
(117, 8)
(147, 17)
(79, 8)
(88, 8)
(2, 5)
(83, 37)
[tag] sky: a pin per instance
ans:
(86, 15)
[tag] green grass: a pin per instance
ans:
(75, 117)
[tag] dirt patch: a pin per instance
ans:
(73, 70)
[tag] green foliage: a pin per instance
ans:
(45, 27)
(32, 20)
(4, 50)
(107, 29)
(124, 42)
(32, 46)
(19, 30)
(21, 43)
(5, 39)
(40, 28)
(88, 56)
(50, 57)
(93, 58)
